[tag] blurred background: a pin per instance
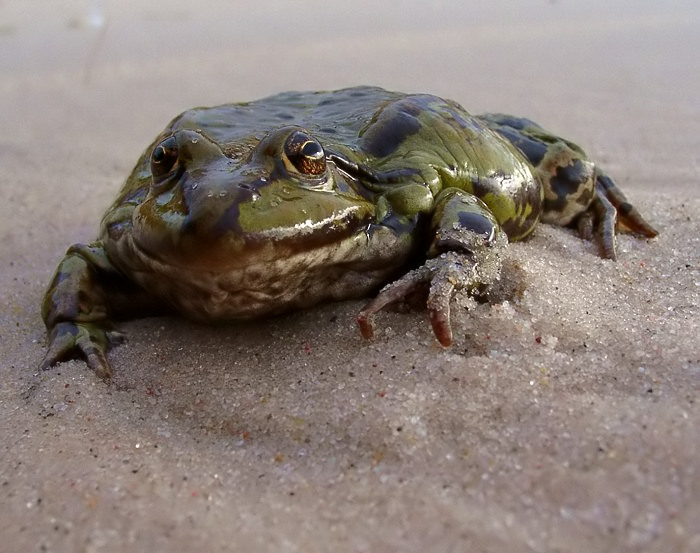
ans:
(187, 49)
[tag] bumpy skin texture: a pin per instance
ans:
(252, 209)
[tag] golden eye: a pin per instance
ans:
(164, 157)
(305, 153)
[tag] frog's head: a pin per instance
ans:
(214, 205)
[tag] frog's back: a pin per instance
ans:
(338, 116)
(446, 147)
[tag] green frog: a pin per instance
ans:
(253, 209)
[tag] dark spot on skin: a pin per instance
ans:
(391, 133)
(554, 205)
(518, 123)
(476, 222)
(412, 108)
(528, 196)
(328, 130)
(481, 187)
(563, 187)
(569, 179)
(228, 220)
(285, 115)
(533, 150)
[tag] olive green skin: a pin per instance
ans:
(252, 209)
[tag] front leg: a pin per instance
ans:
(465, 254)
(85, 293)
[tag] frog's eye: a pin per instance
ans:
(305, 153)
(164, 157)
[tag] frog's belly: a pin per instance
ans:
(234, 296)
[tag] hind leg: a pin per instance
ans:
(577, 193)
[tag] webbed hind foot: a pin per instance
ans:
(609, 212)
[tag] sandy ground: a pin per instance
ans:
(566, 420)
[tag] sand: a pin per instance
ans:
(563, 420)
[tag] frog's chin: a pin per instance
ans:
(259, 277)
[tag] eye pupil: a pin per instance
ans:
(312, 149)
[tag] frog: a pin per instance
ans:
(254, 209)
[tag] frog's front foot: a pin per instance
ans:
(413, 283)
(441, 277)
(68, 340)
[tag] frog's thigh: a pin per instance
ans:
(567, 176)
(569, 184)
